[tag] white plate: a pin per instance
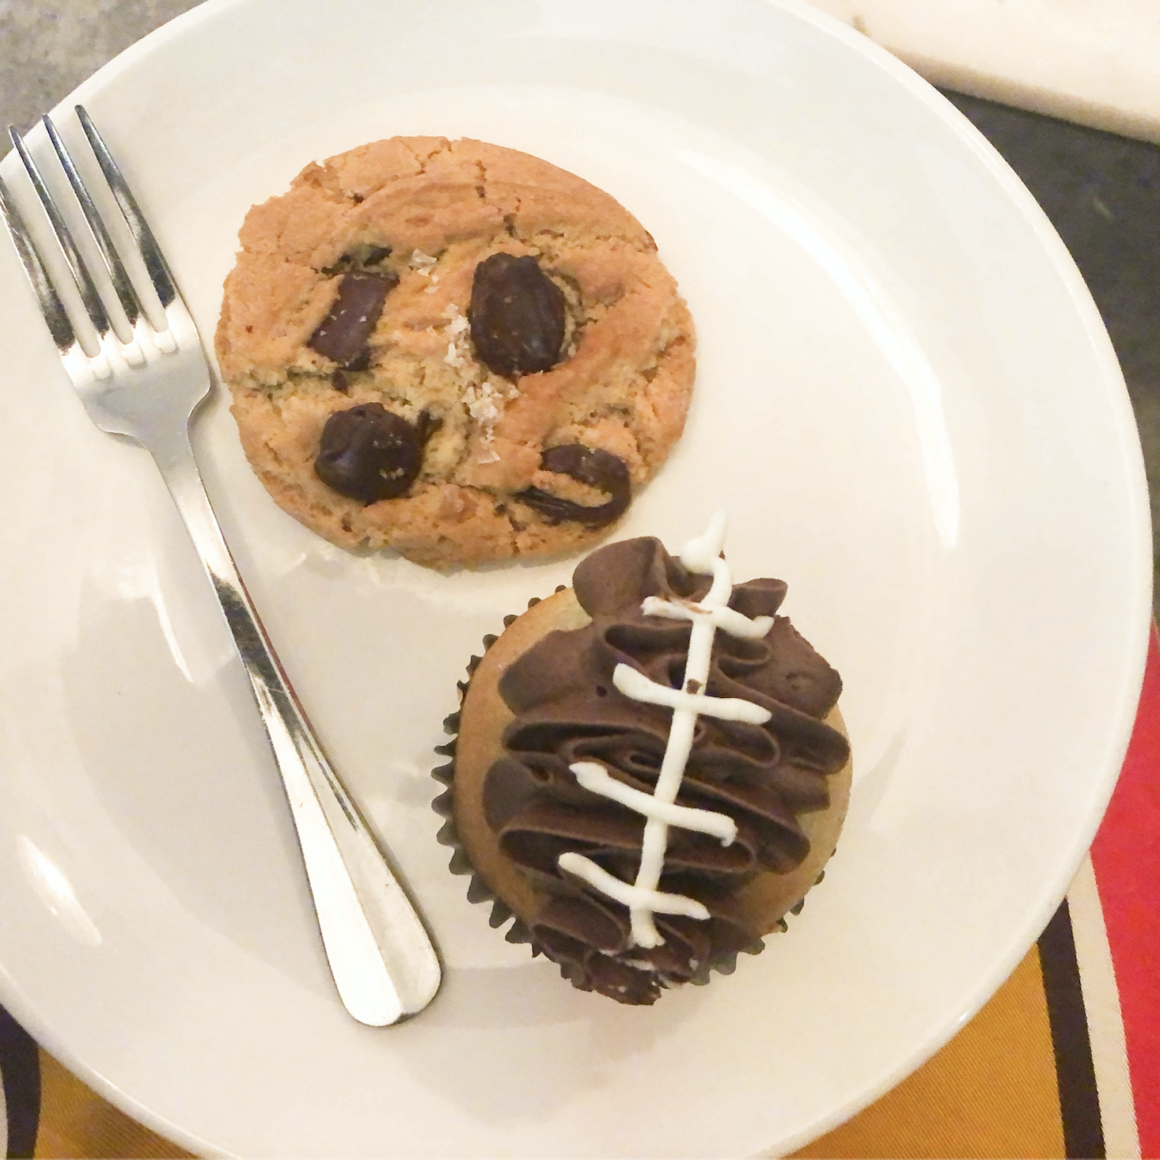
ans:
(906, 401)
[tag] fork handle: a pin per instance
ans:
(382, 959)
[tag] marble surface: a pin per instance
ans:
(47, 49)
(1101, 190)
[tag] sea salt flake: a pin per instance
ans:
(481, 405)
(483, 410)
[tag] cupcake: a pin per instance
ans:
(649, 771)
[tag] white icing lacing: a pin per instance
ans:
(703, 557)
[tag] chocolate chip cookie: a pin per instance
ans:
(454, 350)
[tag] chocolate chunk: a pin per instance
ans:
(426, 425)
(597, 468)
(344, 331)
(516, 315)
(368, 453)
(375, 254)
(360, 258)
(339, 383)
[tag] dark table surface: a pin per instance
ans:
(1101, 191)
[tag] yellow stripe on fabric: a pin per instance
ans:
(991, 1091)
(77, 1124)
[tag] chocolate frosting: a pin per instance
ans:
(762, 776)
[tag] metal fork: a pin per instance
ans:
(147, 388)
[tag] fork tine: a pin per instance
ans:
(51, 306)
(121, 284)
(94, 307)
(155, 262)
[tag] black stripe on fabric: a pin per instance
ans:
(1079, 1101)
(20, 1069)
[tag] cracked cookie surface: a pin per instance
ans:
(402, 225)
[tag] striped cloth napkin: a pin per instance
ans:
(1064, 1061)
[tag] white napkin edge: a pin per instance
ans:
(1093, 62)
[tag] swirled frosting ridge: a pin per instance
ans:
(567, 709)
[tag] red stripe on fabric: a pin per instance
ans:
(1126, 857)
